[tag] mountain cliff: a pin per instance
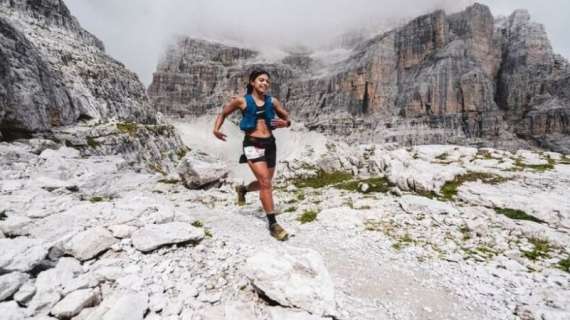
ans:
(464, 78)
(57, 82)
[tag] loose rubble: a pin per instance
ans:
(466, 240)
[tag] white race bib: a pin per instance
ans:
(252, 152)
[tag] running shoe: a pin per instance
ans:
(241, 190)
(278, 232)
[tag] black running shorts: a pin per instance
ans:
(259, 149)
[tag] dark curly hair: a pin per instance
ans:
(252, 76)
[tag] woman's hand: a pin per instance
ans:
(280, 123)
(220, 135)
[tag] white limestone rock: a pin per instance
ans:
(293, 277)
(25, 293)
(61, 153)
(10, 283)
(122, 231)
(279, 313)
(21, 254)
(73, 303)
(14, 225)
(408, 172)
(156, 235)
(11, 311)
(237, 310)
(198, 170)
(421, 205)
(90, 243)
(130, 306)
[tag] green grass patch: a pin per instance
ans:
(308, 216)
(128, 128)
(428, 194)
(481, 251)
(322, 179)
(96, 199)
(157, 168)
(300, 196)
(443, 156)
(466, 232)
(519, 165)
(181, 152)
(159, 130)
(374, 185)
(564, 265)
(564, 160)
(449, 189)
(404, 241)
(198, 224)
(518, 215)
(91, 142)
(541, 249)
(485, 154)
(291, 209)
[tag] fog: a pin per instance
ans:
(136, 32)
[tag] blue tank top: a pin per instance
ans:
(250, 116)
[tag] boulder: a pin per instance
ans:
(21, 254)
(90, 243)
(10, 283)
(421, 205)
(157, 235)
(199, 170)
(11, 311)
(73, 303)
(130, 306)
(293, 277)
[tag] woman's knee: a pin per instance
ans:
(264, 182)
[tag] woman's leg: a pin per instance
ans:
(254, 185)
(263, 176)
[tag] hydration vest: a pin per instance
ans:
(249, 120)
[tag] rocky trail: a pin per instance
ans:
(430, 232)
(110, 210)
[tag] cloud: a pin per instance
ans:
(137, 31)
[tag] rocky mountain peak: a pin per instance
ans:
(464, 78)
(57, 83)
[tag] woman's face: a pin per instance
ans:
(261, 83)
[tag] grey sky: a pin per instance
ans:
(137, 31)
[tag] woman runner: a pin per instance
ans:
(259, 149)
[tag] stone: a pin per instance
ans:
(74, 302)
(10, 283)
(130, 306)
(293, 277)
(199, 170)
(237, 310)
(154, 236)
(122, 231)
(90, 243)
(11, 311)
(279, 313)
(421, 205)
(14, 225)
(21, 254)
(25, 293)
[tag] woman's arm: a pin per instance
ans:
(234, 104)
(282, 114)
